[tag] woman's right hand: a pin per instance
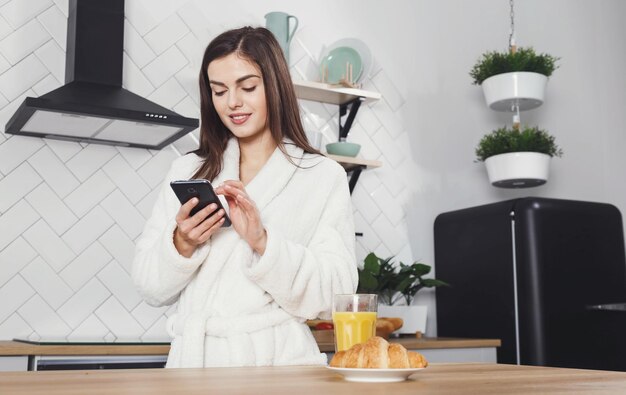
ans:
(196, 230)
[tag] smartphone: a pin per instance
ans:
(203, 190)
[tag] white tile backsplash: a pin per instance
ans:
(168, 94)
(136, 47)
(51, 208)
(22, 42)
(120, 246)
(123, 213)
(165, 66)
(16, 185)
(13, 294)
(91, 329)
(47, 84)
(43, 319)
(13, 258)
(135, 157)
(85, 266)
(89, 193)
(147, 315)
(365, 204)
(50, 167)
(54, 58)
(139, 16)
(18, 12)
(49, 245)
(15, 221)
(187, 77)
(83, 303)
(87, 229)
(55, 23)
(119, 320)
(21, 77)
(16, 150)
(46, 283)
(118, 282)
(128, 182)
(157, 332)
(134, 80)
(64, 150)
(166, 34)
(388, 204)
(5, 28)
(15, 327)
(90, 159)
(154, 171)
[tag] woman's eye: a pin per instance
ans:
(219, 93)
(251, 89)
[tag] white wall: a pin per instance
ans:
(69, 213)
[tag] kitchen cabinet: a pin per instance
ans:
(349, 101)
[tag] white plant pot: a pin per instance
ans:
(523, 88)
(414, 317)
(518, 169)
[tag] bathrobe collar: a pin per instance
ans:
(271, 179)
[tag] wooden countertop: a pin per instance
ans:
(315, 380)
(8, 348)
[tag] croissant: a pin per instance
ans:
(377, 353)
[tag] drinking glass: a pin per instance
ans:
(354, 319)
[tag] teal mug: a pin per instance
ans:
(278, 24)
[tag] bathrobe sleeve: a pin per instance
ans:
(302, 279)
(159, 272)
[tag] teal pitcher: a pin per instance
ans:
(278, 24)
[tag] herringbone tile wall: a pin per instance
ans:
(70, 213)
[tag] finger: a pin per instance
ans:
(208, 223)
(247, 204)
(185, 209)
(235, 183)
(201, 215)
(209, 232)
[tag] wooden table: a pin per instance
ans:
(301, 380)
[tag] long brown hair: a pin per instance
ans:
(257, 45)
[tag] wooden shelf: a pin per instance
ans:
(349, 163)
(325, 93)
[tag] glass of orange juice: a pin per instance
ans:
(354, 318)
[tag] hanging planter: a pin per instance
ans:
(517, 159)
(522, 88)
(518, 169)
(513, 78)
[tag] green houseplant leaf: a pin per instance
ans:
(504, 140)
(381, 277)
(524, 59)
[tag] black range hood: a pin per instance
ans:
(92, 106)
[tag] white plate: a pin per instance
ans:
(360, 47)
(375, 375)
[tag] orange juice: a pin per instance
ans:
(352, 328)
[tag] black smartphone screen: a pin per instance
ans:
(201, 189)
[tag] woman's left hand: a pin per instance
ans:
(244, 215)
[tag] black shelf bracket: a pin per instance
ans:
(356, 172)
(350, 108)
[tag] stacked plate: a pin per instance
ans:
(345, 57)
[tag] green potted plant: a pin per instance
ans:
(395, 284)
(513, 78)
(517, 158)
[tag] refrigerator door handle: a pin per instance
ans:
(608, 306)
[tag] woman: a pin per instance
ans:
(244, 292)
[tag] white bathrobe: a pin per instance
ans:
(236, 308)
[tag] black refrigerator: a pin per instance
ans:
(546, 276)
